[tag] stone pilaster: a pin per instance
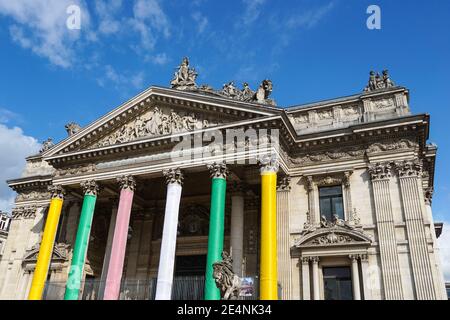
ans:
(283, 237)
(390, 265)
(409, 173)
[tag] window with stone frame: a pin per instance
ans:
(331, 202)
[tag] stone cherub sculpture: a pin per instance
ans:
(226, 280)
(72, 128)
(377, 81)
(47, 145)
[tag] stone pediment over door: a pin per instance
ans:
(59, 256)
(329, 238)
(152, 115)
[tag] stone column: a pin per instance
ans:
(174, 180)
(390, 265)
(237, 227)
(47, 243)
(409, 173)
(219, 174)
(365, 277)
(112, 225)
(355, 278)
(82, 240)
(283, 238)
(269, 256)
(316, 275)
(119, 245)
(306, 286)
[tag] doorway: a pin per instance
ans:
(337, 283)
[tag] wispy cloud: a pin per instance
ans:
(309, 18)
(40, 25)
(107, 12)
(201, 20)
(120, 81)
(252, 11)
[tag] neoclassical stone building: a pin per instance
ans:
(327, 200)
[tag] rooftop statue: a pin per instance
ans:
(72, 128)
(47, 145)
(378, 82)
(184, 79)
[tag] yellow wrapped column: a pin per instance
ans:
(268, 261)
(46, 247)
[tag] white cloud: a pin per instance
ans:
(309, 18)
(121, 81)
(40, 25)
(444, 250)
(15, 146)
(106, 12)
(149, 21)
(201, 20)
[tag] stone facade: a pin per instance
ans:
(369, 144)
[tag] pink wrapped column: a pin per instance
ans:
(115, 268)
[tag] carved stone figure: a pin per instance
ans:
(47, 145)
(72, 128)
(377, 81)
(226, 280)
(184, 77)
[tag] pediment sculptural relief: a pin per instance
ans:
(156, 122)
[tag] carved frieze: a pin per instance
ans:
(75, 170)
(26, 212)
(33, 195)
(156, 122)
(332, 155)
(332, 238)
(402, 144)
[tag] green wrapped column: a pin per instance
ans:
(81, 243)
(216, 227)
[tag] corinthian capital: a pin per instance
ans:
(173, 176)
(268, 163)
(57, 192)
(409, 168)
(283, 184)
(90, 187)
(380, 171)
(218, 170)
(127, 183)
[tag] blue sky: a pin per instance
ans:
(311, 49)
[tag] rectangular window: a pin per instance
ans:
(331, 202)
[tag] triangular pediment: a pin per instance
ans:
(333, 236)
(59, 253)
(160, 112)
